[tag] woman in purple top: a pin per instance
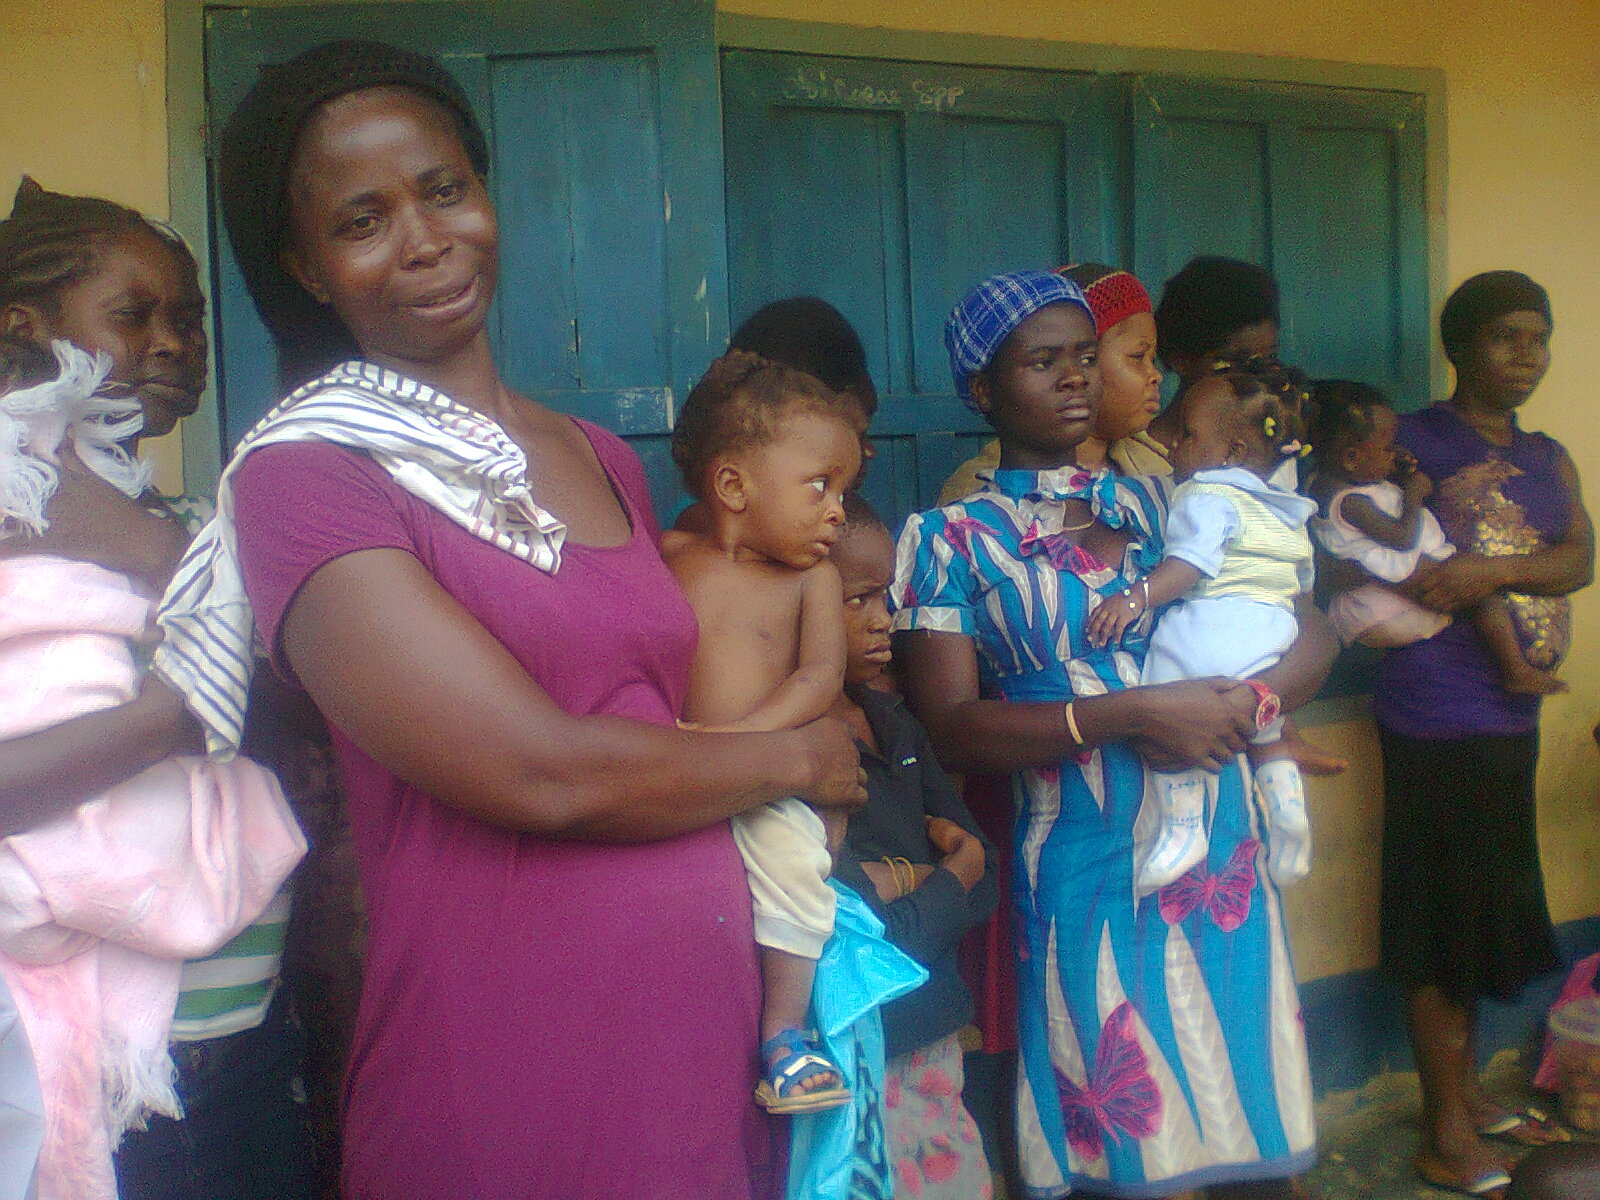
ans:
(1463, 912)
(561, 994)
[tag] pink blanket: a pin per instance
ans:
(99, 908)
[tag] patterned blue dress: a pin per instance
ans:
(1161, 1036)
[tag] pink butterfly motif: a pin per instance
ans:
(1225, 897)
(1119, 1097)
(959, 534)
(1059, 551)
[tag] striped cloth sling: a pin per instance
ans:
(450, 456)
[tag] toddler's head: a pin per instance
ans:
(1355, 428)
(864, 555)
(1239, 418)
(770, 451)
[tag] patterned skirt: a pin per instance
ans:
(933, 1143)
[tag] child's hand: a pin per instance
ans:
(945, 834)
(1114, 614)
(1417, 486)
(963, 853)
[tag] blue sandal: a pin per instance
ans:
(794, 1056)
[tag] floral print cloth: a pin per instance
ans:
(933, 1143)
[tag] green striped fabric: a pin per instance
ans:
(229, 991)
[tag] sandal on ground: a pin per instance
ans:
(1525, 1127)
(799, 1057)
(1489, 1183)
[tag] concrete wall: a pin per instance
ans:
(85, 108)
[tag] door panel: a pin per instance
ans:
(817, 207)
(580, 231)
(888, 189)
(1324, 186)
(1218, 204)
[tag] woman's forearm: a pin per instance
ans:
(1193, 722)
(45, 774)
(405, 673)
(999, 736)
(1557, 571)
(624, 781)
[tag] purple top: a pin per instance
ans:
(1495, 500)
(538, 1018)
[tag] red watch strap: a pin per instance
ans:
(1269, 706)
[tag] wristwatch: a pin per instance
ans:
(1268, 707)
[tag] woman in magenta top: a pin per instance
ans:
(561, 995)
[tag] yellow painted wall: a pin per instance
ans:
(84, 108)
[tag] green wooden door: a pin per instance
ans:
(1325, 186)
(604, 131)
(888, 189)
(640, 210)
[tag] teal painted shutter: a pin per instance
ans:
(888, 189)
(1325, 186)
(607, 174)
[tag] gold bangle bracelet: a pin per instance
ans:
(910, 884)
(1072, 725)
(903, 885)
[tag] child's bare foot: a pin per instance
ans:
(1525, 679)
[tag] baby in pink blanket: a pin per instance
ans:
(100, 907)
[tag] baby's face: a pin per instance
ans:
(795, 485)
(1373, 460)
(1206, 437)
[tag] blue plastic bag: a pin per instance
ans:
(839, 1153)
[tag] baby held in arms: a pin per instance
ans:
(1237, 561)
(768, 452)
(1372, 499)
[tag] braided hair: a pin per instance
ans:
(253, 174)
(1271, 402)
(52, 242)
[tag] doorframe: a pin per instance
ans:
(187, 134)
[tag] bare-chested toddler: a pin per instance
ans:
(768, 451)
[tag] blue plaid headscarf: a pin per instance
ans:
(988, 313)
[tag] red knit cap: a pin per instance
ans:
(1113, 297)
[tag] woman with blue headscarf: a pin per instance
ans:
(1161, 1042)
